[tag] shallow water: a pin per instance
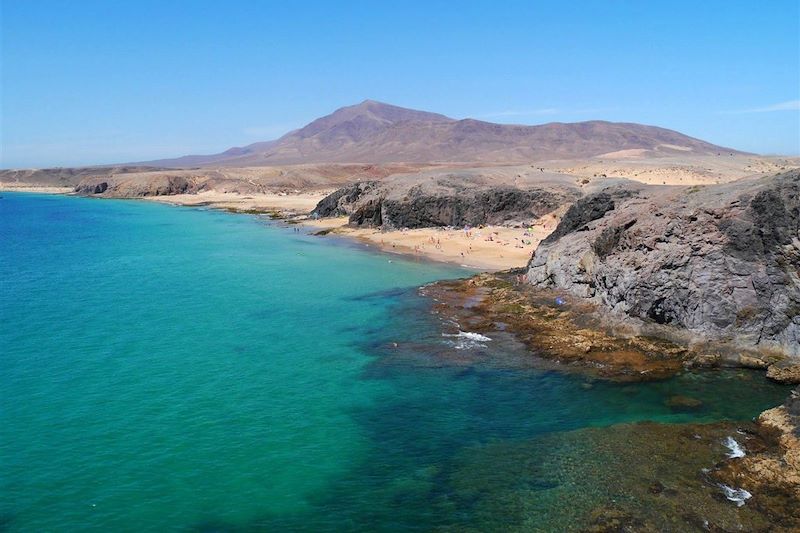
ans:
(176, 369)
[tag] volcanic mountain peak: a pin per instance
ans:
(376, 132)
(369, 115)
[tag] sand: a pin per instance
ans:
(16, 187)
(487, 248)
(676, 170)
(281, 203)
(490, 248)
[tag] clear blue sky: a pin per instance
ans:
(109, 81)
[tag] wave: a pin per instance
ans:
(735, 448)
(467, 339)
(738, 496)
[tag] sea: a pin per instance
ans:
(185, 369)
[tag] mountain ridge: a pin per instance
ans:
(376, 132)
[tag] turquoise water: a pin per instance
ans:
(181, 369)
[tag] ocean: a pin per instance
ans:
(183, 369)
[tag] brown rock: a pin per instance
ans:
(784, 372)
(749, 361)
(705, 361)
(771, 469)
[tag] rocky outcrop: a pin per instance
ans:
(341, 202)
(67, 177)
(567, 332)
(769, 468)
(494, 205)
(157, 185)
(722, 262)
(454, 198)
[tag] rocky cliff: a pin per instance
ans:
(452, 198)
(722, 262)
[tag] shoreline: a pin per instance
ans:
(468, 249)
(485, 249)
(293, 209)
(7, 187)
(489, 249)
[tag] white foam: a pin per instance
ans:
(735, 448)
(473, 336)
(738, 496)
(467, 339)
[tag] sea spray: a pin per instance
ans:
(467, 339)
(735, 448)
(738, 496)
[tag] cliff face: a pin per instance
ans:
(159, 185)
(722, 261)
(451, 198)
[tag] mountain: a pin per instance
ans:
(374, 132)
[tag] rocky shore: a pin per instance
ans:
(699, 477)
(554, 328)
(715, 265)
(769, 465)
(644, 477)
(636, 282)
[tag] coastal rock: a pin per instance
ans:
(157, 185)
(705, 360)
(341, 202)
(748, 361)
(451, 198)
(569, 335)
(770, 470)
(644, 477)
(721, 262)
(784, 372)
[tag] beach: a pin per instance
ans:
(488, 248)
(283, 204)
(21, 187)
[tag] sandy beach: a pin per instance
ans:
(16, 187)
(284, 204)
(487, 248)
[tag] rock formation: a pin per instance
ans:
(451, 198)
(722, 262)
(770, 467)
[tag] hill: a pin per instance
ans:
(374, 132)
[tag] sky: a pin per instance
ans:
(96, 82)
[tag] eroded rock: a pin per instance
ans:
(450, 198)
(722, 262)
